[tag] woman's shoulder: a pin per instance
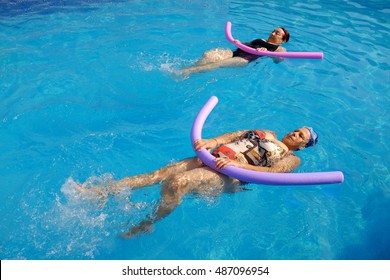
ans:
(269, 133)
(281, 49)
(291, 157)
(291, 161)
(288, 163)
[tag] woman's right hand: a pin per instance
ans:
(202, 144)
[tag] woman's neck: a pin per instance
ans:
(271, 42)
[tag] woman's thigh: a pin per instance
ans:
(214, 55)
(202, 180)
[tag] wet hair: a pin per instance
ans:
(286, 36)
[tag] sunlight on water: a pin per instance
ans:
(90, 94)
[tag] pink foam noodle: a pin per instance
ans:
(228, 34)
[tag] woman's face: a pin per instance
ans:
(276, 36)
(297, 139)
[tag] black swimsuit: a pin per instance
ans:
(258, 43)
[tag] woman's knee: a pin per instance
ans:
(175, 185)
(215, 55)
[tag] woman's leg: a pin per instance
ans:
(214, 55)
(228, 62)
(143, 180)
(201, 180)
(209, 57)
(160, 175)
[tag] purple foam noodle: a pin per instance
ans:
(228, 34)
(257, 177)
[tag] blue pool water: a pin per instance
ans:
(88, 94)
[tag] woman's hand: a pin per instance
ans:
(224, 162)
(262, 49)
(145, 227)
(202, 144)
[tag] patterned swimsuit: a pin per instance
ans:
(256, 149)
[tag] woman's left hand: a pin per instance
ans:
(208, 144)
(224, 162)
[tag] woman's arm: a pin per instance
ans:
(230, 137)
(226, 138)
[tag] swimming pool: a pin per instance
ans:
(88, 93)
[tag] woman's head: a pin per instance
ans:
(300, 138)
(279, 36)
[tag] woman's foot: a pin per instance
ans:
(95, 194)
(144, 227)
